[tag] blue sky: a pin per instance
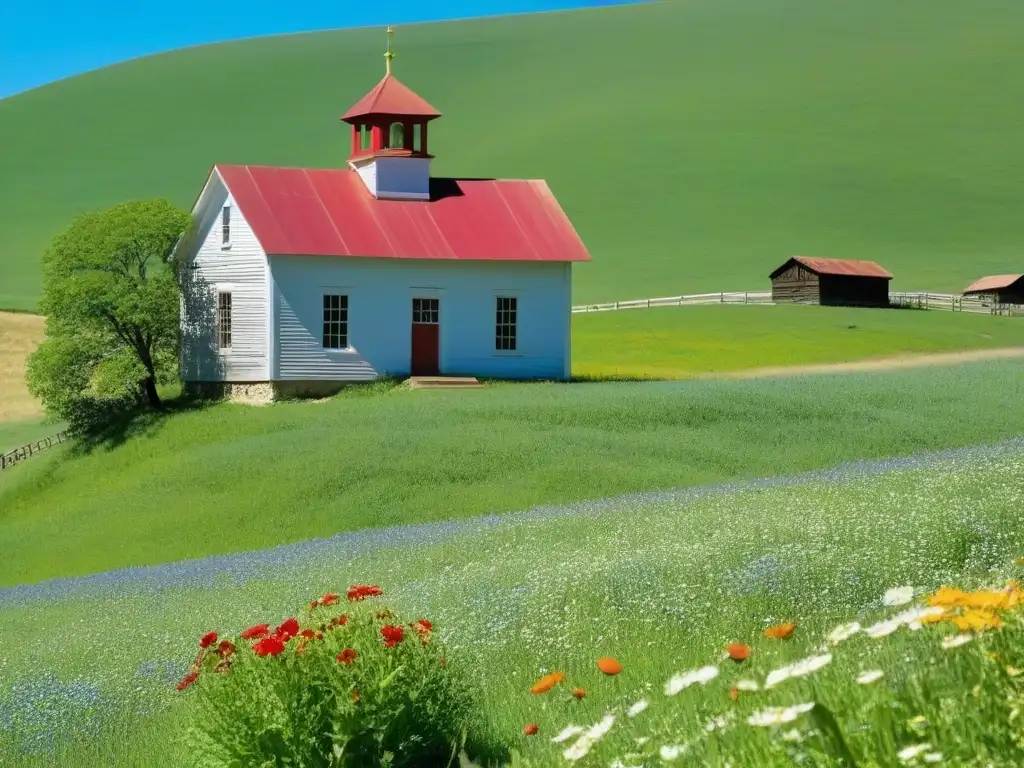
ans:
(46, 40)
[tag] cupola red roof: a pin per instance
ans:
(391, 97)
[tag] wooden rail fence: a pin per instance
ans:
(950, 302)
(27, 451)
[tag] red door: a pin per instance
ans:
(425, 337)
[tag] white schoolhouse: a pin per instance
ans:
(301, 279)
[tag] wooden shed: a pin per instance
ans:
(832, 282)
(1004, 289)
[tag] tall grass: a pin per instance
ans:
(232, 478)
(662, 583)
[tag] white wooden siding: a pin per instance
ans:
(380, 295)
(242, 269)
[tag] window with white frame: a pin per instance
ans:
(505, 324)
(225, 225)
(335, 321)
(223, 320)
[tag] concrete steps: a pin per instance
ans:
(443, 382)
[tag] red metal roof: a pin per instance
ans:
(992, 283)
(391, 97)
(329, 212)
(850, 267)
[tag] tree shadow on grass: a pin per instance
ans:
(107, 424)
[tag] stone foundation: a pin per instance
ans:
(262, 392)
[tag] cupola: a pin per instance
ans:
(389, 138)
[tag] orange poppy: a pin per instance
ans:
(734, 694)
(608, 665)
(579, 693)
(547, 682)
(738, 652)
(781, 632)
(530, 729)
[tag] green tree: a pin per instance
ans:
(112, 309)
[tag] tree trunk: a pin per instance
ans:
(149, 387)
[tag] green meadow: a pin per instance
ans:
(680, 342)
(229, 478)
(661, 583)
(695, 144)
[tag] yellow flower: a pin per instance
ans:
(947, 597)
(978, 620)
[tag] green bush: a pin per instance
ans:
(346, 686)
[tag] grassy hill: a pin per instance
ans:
(695, 144)
(232, 478)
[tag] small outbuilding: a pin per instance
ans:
(832, 282)
(1004, 289)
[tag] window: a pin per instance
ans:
(224, 320)
(505, 326)
(225, 225)
(417, 138)
(335, 322)
(365, 135)
(425, 311)
(396, 136)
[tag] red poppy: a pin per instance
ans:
(190, 678)
(313, 605)
(530, 729)
(360, 591)
(392, 635)
(347, 656)
(289, 628)
(341, 621)
(781, 632)
(208, 639)
(319, 635)
(608, 665)
(268, 646)
(329, 599)
(738, 652)
(256, 632)
(226, 648)
(309, 634)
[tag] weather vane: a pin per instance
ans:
(389, 54)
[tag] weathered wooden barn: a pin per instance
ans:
(832, 282)
(1005, 289)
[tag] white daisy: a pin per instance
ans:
(956, 641)
(672, 751)
(778, 715)
(898, 596)
(932, 757)
(686, 679)
(844, 632)
(567, 733)
(637, 708)
(910, 753)
(866, 678)
(883, 628)
(810, 665)
(747, 685)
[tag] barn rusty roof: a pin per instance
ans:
(992, 283)
(851, 267)
(391, 97)
(329, 212)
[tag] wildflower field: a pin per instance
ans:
(710, 624)
(232, 478)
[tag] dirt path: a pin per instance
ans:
(20, 334)
(892, 363)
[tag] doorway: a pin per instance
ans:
(425, 337)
